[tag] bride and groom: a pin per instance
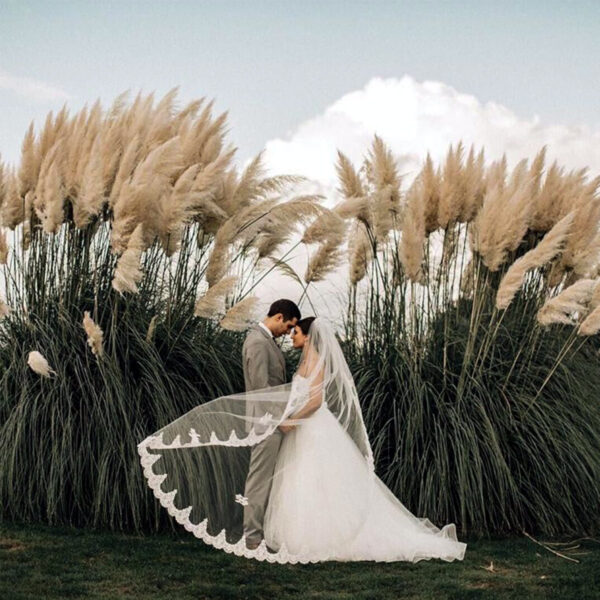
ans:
(284, 472)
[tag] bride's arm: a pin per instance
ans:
(315, 397)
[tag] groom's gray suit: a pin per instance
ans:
(264, 366)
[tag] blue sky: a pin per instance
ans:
(275, 65)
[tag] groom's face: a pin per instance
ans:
(284, 326)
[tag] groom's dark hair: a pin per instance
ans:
(287, 308)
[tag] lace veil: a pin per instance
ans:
(197, 465)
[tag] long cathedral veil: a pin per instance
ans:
(197, 465)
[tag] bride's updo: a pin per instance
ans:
(305, 324)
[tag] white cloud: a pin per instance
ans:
(414, 118)
(38, 91)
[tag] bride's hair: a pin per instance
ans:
(305, 324)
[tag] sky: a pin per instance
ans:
(276, 65)
(302, 79)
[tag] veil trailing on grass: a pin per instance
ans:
(197, 465)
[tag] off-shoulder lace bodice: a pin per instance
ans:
(300, 390)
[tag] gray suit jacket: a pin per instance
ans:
(264, 363)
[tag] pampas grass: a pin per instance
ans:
(496, 236)
(453, 367)
(591, 324)
(3, 248)
(570, 303)
(131, 213)
(213, 301)
(240, 315)
(128, 273)
(430, 194)
(382, 174)
(124, 214)
(350, 183)
(328, 230)
(13, 206)
(451, 198)
(581, 252)
(326, 258)
(92, 189)
(412, 242)
(94, 334)
(360, 250)
(38, 364)
(552, 244)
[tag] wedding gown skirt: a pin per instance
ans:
(326, 504)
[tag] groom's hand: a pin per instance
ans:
(286, 428)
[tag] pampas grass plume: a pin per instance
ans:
(573, 299)
(545, 251)
(29, 167)
(13, 207)
(360, 251)
(3, 248)
(151, 329)
(128, 272)
(591, 324)
(413, 233)
(350, 183)
(240, 315)
(39, 364)
(325, 259)
(91, 196)
(211, 302)
(94, 333)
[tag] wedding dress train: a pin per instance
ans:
(325, 501)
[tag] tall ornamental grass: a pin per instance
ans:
(471, 330)
(131, 247)
(125, 233)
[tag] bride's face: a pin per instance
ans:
(298, 337)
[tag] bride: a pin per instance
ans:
(325, 501)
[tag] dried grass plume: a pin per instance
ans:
(212, 302)
(572, 301)
(553, 242)
(240, 315)
(39, 364)
(94, 334)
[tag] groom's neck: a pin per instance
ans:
(267, 323)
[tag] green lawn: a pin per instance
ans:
(46, 562)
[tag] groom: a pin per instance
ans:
(264, 366)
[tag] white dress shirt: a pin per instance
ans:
(266, 329)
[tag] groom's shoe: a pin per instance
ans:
(252, 544)
(255, 545)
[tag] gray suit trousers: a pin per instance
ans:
(264, 367)
(258, 484)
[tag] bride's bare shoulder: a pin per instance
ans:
(309, 364)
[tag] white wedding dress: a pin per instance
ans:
(326, 502)
(323, 500)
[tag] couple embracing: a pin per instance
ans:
(284, 472)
